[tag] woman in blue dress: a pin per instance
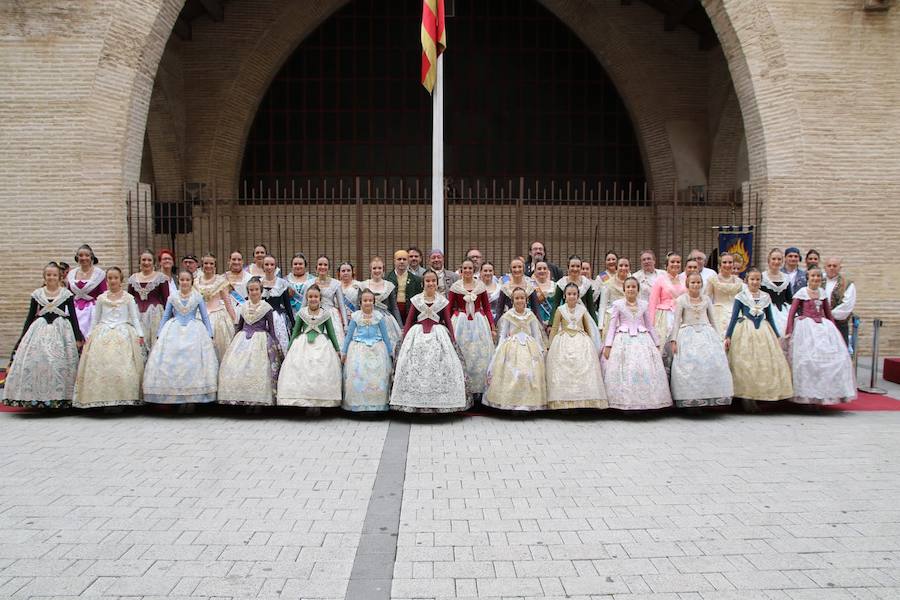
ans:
(183, 367)
(366, 354)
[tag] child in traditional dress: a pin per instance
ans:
(473, 325)
(45, 359)
(633, 368)
(311, 374)
(429, 376)
(277, 293)
(113, 360)
(820, 363)
(700, 374)
(516, 374)
(248, 374)
(183, 367)
(366, 355)
(574, 379)
(758, 366)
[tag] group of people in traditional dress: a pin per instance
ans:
(431, 339)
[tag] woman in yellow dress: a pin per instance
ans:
(516, 373)
(722, 289)
(215, 291)
(758, 366)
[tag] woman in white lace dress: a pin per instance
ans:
(700, 374)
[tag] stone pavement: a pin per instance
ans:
(786, 506)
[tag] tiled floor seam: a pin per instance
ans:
(373, 566)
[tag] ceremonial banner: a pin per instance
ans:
(738, 242)
(434, 40)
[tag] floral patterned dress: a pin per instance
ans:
(45, 359)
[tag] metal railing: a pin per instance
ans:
(355, 219)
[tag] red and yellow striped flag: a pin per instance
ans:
(434, 40)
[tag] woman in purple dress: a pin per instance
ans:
(86, 283)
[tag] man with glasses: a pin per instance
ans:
(536, 254)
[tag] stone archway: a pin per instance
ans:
(618, 36)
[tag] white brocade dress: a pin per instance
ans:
(516, 377)
(820, 361)
(45, 361)
(333, 302)
(574, 379)
(634, 373)
(700, 374)
(472, 330)
(722, 294)
(221, 322)
(248, 374)
(311, 373)
(182, 367)
(428, 375)
(112, 362)
(367, 368)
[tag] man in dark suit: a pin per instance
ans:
(408, 285)
(536, 254)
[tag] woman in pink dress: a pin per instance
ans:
(632, 366)
(662, 298)
(86, 282)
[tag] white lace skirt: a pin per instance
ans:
(473, 336)
(820, 364)
(311, 374)
(42, 374)
(150, 319)
(248, 374)
(223, 331)
(183, 367)
(281, 331)
(634, 374)
(111, 367)
(574, 379)
(429, 375)
(700, 374)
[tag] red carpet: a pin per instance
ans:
(867, 402)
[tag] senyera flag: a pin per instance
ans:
(434, 40)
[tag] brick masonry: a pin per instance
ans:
(82, 84)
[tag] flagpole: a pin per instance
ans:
(437, 158)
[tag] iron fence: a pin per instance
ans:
(354, 219)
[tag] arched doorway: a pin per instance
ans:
(524, 97)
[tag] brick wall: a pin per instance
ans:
(817, 84)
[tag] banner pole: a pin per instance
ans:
(438, 240)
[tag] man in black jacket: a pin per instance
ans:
(537, 254)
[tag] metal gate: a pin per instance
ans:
(354, 219)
